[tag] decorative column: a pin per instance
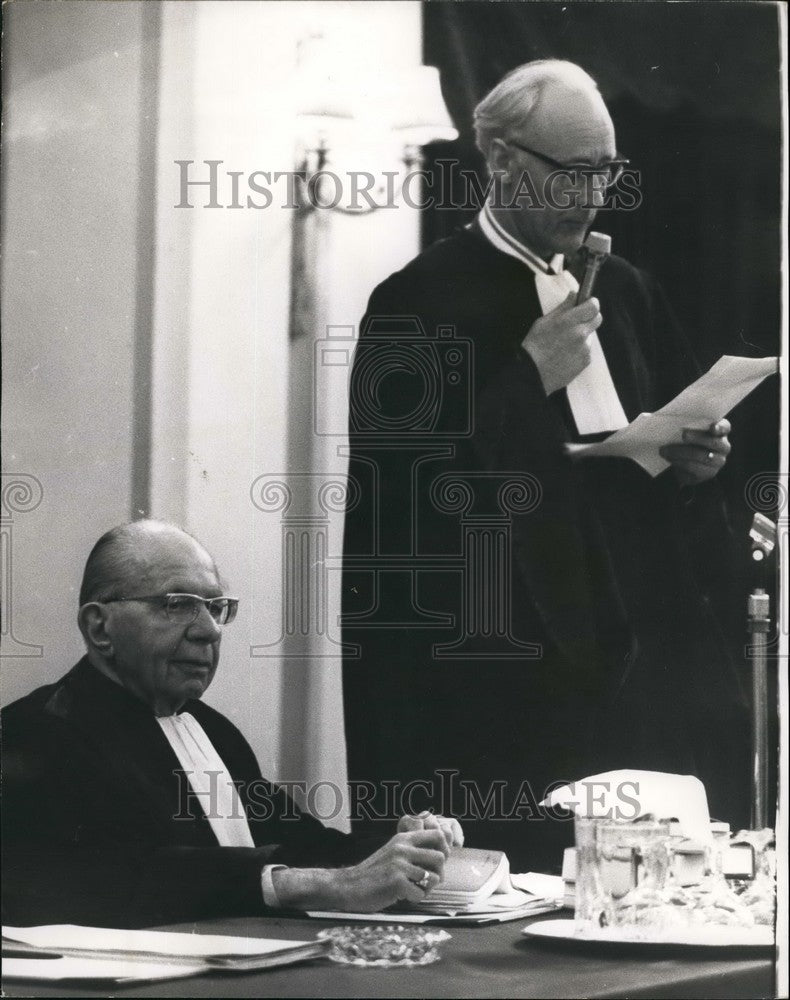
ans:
(486, 566)
(305, 503)
(393, 559)
(21, 493)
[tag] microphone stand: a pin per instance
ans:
(763, 534)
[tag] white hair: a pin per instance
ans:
(514, 98)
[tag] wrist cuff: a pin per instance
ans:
(267, 886)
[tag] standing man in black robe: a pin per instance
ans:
(514, 618)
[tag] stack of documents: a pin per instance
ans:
(477, 888)
(472, 878)
(69, 951)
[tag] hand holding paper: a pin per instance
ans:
(704, 403)
(701, 456)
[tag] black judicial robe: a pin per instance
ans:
(612, 573)
(99, 827)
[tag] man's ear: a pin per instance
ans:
(500, 158)
(92, 620)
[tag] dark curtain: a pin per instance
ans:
(694, 91)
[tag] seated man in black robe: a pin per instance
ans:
(128, 802)
(514, 618)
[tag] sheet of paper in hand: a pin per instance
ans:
(704, 402)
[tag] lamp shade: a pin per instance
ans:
(337, 104)
(324, 94)
(417, 111)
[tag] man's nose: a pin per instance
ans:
(204, 628)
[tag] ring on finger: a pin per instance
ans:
(424, 882)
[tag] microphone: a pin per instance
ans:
(763, 535)
(597, 248)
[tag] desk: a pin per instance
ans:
(478, 962)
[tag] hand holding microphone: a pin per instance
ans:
(558, 342)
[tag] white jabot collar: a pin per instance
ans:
(209, 779)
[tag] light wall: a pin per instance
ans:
(233, 386)
(169, 375)
(77, 88)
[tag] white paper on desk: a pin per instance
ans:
(169, 944)
(492, 916)
(509, 898)
(702, 403)
(530, 894)
(103, 969)
(548, 887)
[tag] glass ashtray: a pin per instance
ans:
(390, 946)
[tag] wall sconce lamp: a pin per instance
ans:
(350, 130)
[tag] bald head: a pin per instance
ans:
(541, 92)
(163, 655)
(124, 556)
(570, 121)
(549, 141)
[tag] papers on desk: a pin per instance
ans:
(704, 402)
(95, 952)
(472, 879)
(481, 918)
(550, 888)
(107, 970)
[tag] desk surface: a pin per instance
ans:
(478, 962)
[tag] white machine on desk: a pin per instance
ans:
(693, 873)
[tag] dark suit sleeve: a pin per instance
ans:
(82, 844)
(73, 852)
(127, 887)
